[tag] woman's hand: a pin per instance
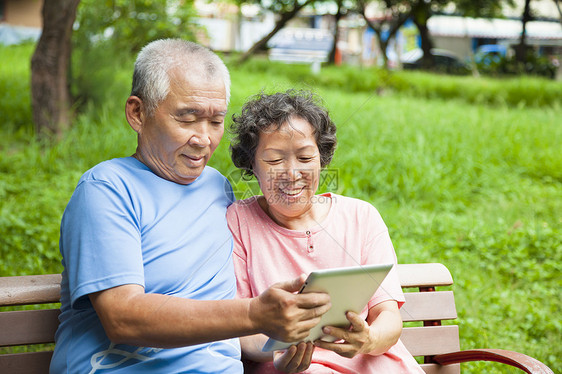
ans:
(350, 342)
(374, 336)
(294, 359)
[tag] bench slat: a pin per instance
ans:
(424, 275)
(28, 327)
(26, 363)
(431, 340)
(30, 289)
(438, 369)
(428, 306)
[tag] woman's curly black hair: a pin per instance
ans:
(265, 112)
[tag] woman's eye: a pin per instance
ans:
(275, 161)
(306, 159)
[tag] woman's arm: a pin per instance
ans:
(374, 336)
(252, 348)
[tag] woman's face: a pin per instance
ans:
(287, 167)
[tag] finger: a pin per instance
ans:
(293, 285)
(336, 332)
(317, 302)
(282, 358)
(307, 357)
(290, 361)
(356, 321)
(342, 349)
(296, 361)
(302, 329)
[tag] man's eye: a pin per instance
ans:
(185, 119)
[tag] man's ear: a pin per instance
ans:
(134, 111)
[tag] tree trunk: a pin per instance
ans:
(420, 16)
(285, 17)
(378, 33)
(339, 15)
(393, 29)
(521, 49)
(50, 96)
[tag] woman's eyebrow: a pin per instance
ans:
(303, 148)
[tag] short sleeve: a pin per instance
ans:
(379, 250)
(239, 255)
(100, 240)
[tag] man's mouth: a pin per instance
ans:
(195, 159)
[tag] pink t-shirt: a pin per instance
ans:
(352, 234)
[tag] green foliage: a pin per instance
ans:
(460, 177)
(509, 66)
(108, 34)
(15, 76)
(483, 8)
(520, 91)
(129, 25)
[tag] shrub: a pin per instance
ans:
(509, 66)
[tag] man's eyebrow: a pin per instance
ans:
(184, 111)
(188, 111)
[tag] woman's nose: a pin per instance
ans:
(294, 173)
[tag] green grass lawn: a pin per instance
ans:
(473, 183)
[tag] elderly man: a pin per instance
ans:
(148, 281)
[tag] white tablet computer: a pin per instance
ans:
(350, 289)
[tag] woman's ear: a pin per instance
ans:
(134, 111)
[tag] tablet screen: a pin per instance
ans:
(350, 289)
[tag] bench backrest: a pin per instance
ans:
(427, 307)
(424, 306)
(28, 327)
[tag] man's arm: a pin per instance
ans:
(131, 316)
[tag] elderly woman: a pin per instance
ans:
(285, 139)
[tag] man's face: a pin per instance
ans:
(178, 139)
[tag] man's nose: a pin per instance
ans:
(200, 137)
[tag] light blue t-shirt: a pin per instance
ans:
(126, 225)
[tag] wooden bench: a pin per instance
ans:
(438, 344)
(301, 45)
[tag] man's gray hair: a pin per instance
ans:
(151, 81)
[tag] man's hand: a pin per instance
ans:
(294, 359)
(283, 315)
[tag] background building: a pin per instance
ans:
(20, 20)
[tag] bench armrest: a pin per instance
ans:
(515, 359)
